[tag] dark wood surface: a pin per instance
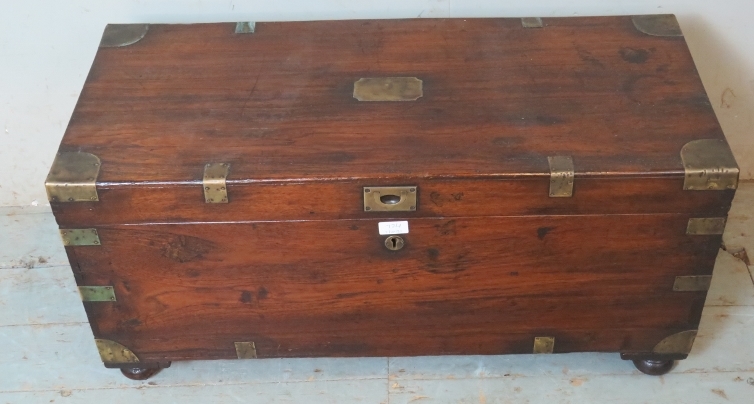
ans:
(459, 286)
(436, 198)
(295, 265)
(498, 99)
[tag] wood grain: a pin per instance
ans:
(295, 265)
(436, 198)
(498, 99)
(331, 288)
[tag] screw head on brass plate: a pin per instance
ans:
(394, 243)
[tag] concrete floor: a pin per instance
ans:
(50, 356)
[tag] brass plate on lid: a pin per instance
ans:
(390, 199)
(531, 22)
(388, 89)
(117, 35)
(245, 27)
(657, 24)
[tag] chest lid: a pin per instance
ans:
(394, 102)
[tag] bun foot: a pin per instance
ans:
(139, 373)
(653, 367)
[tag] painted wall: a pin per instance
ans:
(47, 47)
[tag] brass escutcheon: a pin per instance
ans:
(394, 243)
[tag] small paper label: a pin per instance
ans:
(393, 228)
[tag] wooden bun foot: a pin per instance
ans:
(653, 367)
(139, 373)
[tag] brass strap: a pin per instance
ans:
(561, 176)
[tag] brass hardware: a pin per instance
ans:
(387, 89)
(117, 35)
(709, 165)
(702, 226)
(531, 22)
(113, 352)
(246, 350)
(97, 293)
(215, 189)
(245, 27)
(694, 283)
(679, 343)
(394, 243)
(544, 345)
(73, 177)
(657, 24)
(79, 237)
(390, 199)
(561, 176)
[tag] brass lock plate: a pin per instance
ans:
(390, 199)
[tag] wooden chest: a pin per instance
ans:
(393, 187)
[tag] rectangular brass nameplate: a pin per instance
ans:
(387, 89)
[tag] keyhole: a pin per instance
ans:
(394, 243)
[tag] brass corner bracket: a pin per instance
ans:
(561, 176)
(709, 165)
(117, 35)
(679, 343)
(531, 22)
(544, 345)
(246, 27)
(112, 352)
(705, 226)
(215, 187)
(73, 177)
(657, 24)
(246, 350)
